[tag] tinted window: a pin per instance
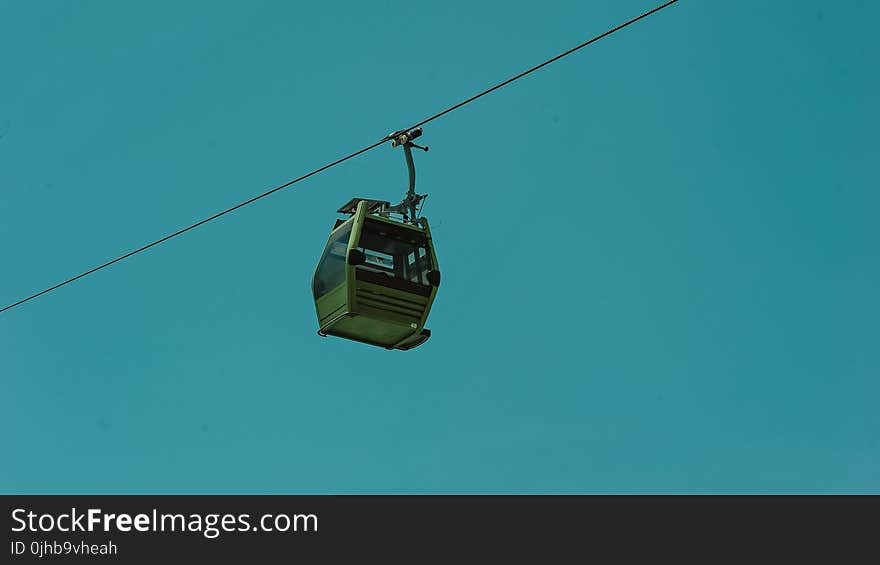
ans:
(395, 252)
(331, 269)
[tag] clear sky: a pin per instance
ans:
(660, 255)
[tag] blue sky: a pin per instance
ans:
(659, 255)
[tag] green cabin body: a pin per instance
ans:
(376, 281)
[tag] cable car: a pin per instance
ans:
(378, 276)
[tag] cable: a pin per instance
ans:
(340, 160)
(544, 64)
(195, 225)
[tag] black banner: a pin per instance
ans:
(413, 529)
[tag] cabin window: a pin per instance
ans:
(395, 252)
(331, 269)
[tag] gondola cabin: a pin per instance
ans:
(376, 279)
